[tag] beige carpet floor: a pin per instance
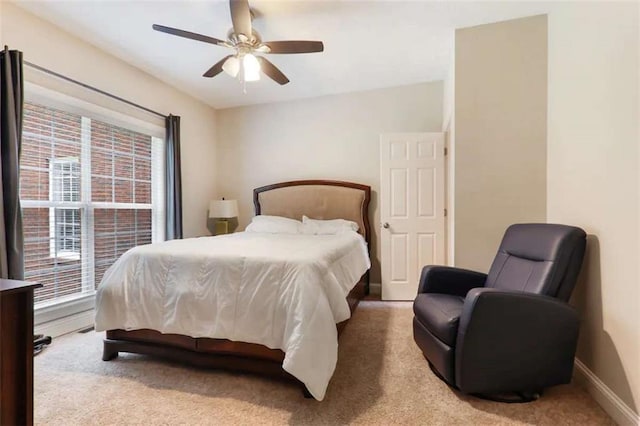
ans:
(381, 379)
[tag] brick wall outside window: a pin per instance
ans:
(121, 172)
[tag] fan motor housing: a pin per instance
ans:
(235, 39)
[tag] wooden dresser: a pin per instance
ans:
(16, 352)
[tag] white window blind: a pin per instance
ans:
(90, 191)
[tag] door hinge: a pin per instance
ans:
(445, 212)
(446, 151)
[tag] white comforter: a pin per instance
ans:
(283, 291)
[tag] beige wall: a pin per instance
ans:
(331, 137)
(449, 127)
(53, 48)
(593, 179)
(500, 134)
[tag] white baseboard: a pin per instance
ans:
(375, 288)
(621, 413)
(66, 324)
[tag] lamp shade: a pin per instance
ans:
(251, 68)
(223, 208)
(231, 66)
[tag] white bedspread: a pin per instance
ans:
(283, 291)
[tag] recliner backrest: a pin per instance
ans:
(539, 258)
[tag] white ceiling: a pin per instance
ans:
(368, 44)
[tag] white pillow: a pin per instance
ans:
(327, 227)
(274, 225)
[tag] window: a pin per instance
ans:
(90, 190)
(64, 223)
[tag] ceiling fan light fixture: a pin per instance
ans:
(242, 63)
(232, 66)
(251, 67)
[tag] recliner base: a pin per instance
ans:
(511, 397)
(508, 398)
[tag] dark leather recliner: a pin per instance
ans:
(511, 330)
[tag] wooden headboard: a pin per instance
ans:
(317, 199)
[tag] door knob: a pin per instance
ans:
(385, 225)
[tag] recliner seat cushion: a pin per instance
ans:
(440, 314)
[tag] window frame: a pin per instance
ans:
(50, 310)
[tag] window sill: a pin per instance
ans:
(65, 257)
(73, 305)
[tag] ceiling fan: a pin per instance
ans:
(246, 42)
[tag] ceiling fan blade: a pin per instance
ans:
(272, 71)
(294, 46)
(216, 68)
(189, 35)
(241, 17)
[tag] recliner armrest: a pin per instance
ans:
(508, 338)
(448, 280)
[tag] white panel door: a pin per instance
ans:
(411, 209)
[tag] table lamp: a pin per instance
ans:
(223, 216)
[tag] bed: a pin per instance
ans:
(281, 357)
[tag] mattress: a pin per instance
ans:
(284, 291)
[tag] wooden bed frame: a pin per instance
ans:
(250, 357)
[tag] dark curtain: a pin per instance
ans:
(174, 179)
(11, 106)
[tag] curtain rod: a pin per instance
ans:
(86, 86)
